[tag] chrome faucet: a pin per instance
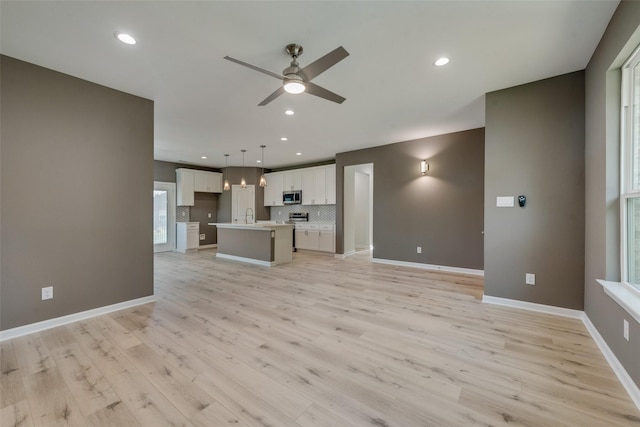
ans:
(246, 216)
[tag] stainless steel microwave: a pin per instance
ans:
(292, 197)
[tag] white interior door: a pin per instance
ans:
(243, 204)
(164, 216)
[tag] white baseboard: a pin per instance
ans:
(83, 315)
(627, 382)
(247, 260)
(618, 369)
(532, 306)
(211, 246)
(444, 268)
(344, 255)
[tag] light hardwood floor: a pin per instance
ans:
(319, 342)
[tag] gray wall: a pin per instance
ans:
(204, 203)
(534, 146)
(76, 184)
(252, 177)
(602, 250)
(441, 212)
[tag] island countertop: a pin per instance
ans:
(254, 226)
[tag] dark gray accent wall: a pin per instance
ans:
(534, 146)
(252, 177)
(442, 212)
(602, 247)
(254, 244)
(76, 184)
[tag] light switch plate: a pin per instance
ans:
(530, 278)
(504, 201)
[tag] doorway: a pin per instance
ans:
(243, 204)
(164, 216)
(358, 208)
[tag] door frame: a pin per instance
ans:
(170, 188)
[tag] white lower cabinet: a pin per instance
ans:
(315, 237)
(187, 236)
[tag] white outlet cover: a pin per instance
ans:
(504, 201)
(530, 278)
(47, 293)
(419, 249)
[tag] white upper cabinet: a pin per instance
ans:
(318, 185)
(208, 182)
(330, 180)
(190, 180)
(274, 188)
(292, 180)
(185, 187)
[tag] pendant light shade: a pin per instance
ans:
(243, 182)
(263, 179)
(226, 186)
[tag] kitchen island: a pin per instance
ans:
(265, 244)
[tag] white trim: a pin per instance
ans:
(344, 255)
(445, 268)
(247, 260)
(618, 369)
(210, 246)
(625, 295)
(627, 382)
(75, 317)
(532, 306)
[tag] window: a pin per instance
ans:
(630, 171)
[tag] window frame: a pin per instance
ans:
(627, 192)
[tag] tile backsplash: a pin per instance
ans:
(317, 213)
(183, 213)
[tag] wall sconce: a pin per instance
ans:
(424, 167)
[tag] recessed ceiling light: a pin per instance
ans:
(283, 139)
(289, 112)
(125, 38)
(298, 154)
(203, 157)
(441, 61)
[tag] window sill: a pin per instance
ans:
(625, 295)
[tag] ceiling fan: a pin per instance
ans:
(297, 80)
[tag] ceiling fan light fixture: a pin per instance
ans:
(294, 85)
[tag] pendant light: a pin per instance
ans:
(226, 186)
(263, 179)
(243, 182)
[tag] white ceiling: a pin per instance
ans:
(207, 106)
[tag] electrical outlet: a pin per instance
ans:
(419, 249)
(202, 237)
(625, 329)
(47, 293)
(530, 278)
(209, 215)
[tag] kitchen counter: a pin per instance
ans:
(264, 243)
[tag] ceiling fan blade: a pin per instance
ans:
(253, 67)
(316, 90)
(323, 64)
(271, 97)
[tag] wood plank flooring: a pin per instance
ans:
(319, 342)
